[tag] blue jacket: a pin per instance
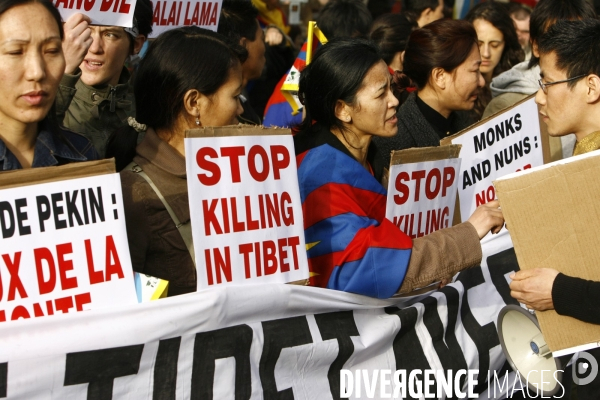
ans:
(52, 147)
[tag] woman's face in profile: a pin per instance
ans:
(31, 63)
(374, 109)
(465, 82)
(223, 107)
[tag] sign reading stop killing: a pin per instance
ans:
(245, 209)
(63, 248)
(421, 196)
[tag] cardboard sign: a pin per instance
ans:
(171, 14)
(552, 215)
(245, 206)
(422, 189)
(63, 244)
(101, 12)
(502, 144)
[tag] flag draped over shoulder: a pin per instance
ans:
(283, 107)
(351, 246)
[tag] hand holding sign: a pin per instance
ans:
(487, 217)
(78, 39)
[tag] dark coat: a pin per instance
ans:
(155, 244)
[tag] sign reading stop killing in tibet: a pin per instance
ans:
(63, 248)
(245, 209)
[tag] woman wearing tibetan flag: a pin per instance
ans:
(351, 246)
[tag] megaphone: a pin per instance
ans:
(527, 352)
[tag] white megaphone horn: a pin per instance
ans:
(527, 352)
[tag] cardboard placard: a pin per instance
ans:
(101, 12)
(245, 206)
(504, 143)
(422, 189)
(63, 241)
(171, 14)
(552, 215)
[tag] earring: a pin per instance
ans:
(198, 121)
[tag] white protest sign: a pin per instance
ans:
(170, 14)
(63, 248)
(245, 210)
(509, 142)
(101, 12)
(421, 196)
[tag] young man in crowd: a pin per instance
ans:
(569, 100)
(520, 16)
(520, 81)
(95, 96)
(239, 22)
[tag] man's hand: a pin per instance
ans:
(273, 36)
(487, 217)
(534, 288)
(77, 41)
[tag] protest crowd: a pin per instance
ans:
(375, 77)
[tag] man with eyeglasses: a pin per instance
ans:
(569, 101)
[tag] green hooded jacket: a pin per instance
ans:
(95, 112)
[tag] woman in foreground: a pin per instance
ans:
(31, 66)
(351, 246)
(191, 77)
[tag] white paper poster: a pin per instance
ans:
(171, 14)
(63, 248)
(421, 196)
(505, 144)
(245, 210)
(101, 12)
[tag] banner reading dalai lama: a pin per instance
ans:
(245, 206)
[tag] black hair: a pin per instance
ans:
(547, 12)
(390, 33)
(238, 20)
(576, 45)
(519, 11)
(344, 18)
(413, 8)
(6, 5)
(177, 61)
(335, 73)
(445, 43)
(497, 15)
(143, 16)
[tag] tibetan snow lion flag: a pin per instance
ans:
(289, 89)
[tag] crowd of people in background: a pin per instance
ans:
(384, 81)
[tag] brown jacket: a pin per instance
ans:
(155, 244)
(440, 255)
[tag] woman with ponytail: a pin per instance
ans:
(442, 59)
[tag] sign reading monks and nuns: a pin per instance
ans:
(170, 14)
(63, 245)
(101, 12)
(422, 189)
(245, 206)
(507, 142)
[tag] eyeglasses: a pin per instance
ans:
(544, 86)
